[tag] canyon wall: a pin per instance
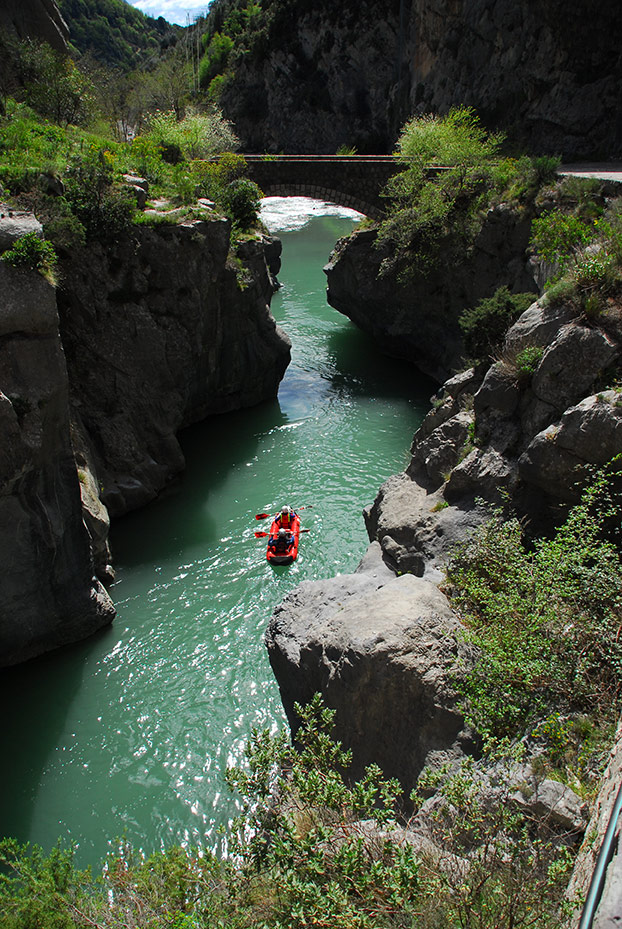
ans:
(141, 338)
(352, 73)
(48, 593)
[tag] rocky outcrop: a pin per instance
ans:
(36, 19)
(160, 331)
(352, 73)
(369, 641)
(506, 435)
(419, 321)
(607, 915)
(48, 594)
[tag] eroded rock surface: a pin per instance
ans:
(369, 641)
(160, 332)
(48, 594)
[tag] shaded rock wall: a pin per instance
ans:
(48, 595)
(161, 331)
(352, 73)
(419, 322)
(39, 19)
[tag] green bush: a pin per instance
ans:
(241, 200)
(545, 618)
(558, 236)
(30, 252)
(104, 210)
(485, 325)
(197, 135)
(527, 360)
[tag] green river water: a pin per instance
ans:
(131, 731)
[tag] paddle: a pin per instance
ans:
(267, 515)
(262, 535)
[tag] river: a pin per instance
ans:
(131, 732)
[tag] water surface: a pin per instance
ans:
(131, 732)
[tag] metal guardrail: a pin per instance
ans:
(600, 870)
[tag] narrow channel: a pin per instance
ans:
(131, 732)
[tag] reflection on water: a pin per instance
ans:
(133, 730)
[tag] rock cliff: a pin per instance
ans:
(39, 19)
(160, 331)
(419, 321)
(48, 594)
(352, 73)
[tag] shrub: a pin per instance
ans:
(557, 236)
(546, 618)
(197, 135)
(594, 271)
(527, 360)
(485, 325)
(105, 211)
(32, 253)
(242, 202)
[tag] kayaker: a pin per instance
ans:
(281, 542)
(285, 518)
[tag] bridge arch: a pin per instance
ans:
(353, 181)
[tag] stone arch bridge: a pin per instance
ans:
(354, 181)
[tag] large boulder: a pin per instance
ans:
(589, 433)
(382, 650)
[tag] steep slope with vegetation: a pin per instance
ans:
(116, 33)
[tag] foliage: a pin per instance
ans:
(496, 865)
(31, 252)
(456, 140)
(197, 135)
(55, 87)
(545, 619)
(557, 236)
(302, 825)
(115, 32)
(484, 326)
(434, 212)
(215, 59)
(527, 360)
(104, 210)
(241, 200)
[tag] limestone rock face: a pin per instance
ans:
(160, 332)
(48, 594)
(40, 19)
(420, 322)
(352, 73)
(367, 642)
(589, 433)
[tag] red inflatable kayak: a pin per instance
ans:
(287, 551)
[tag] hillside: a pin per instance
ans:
(114, 32)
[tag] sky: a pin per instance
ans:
(175, 11)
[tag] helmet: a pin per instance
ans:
(282, 532)
(285, 510)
